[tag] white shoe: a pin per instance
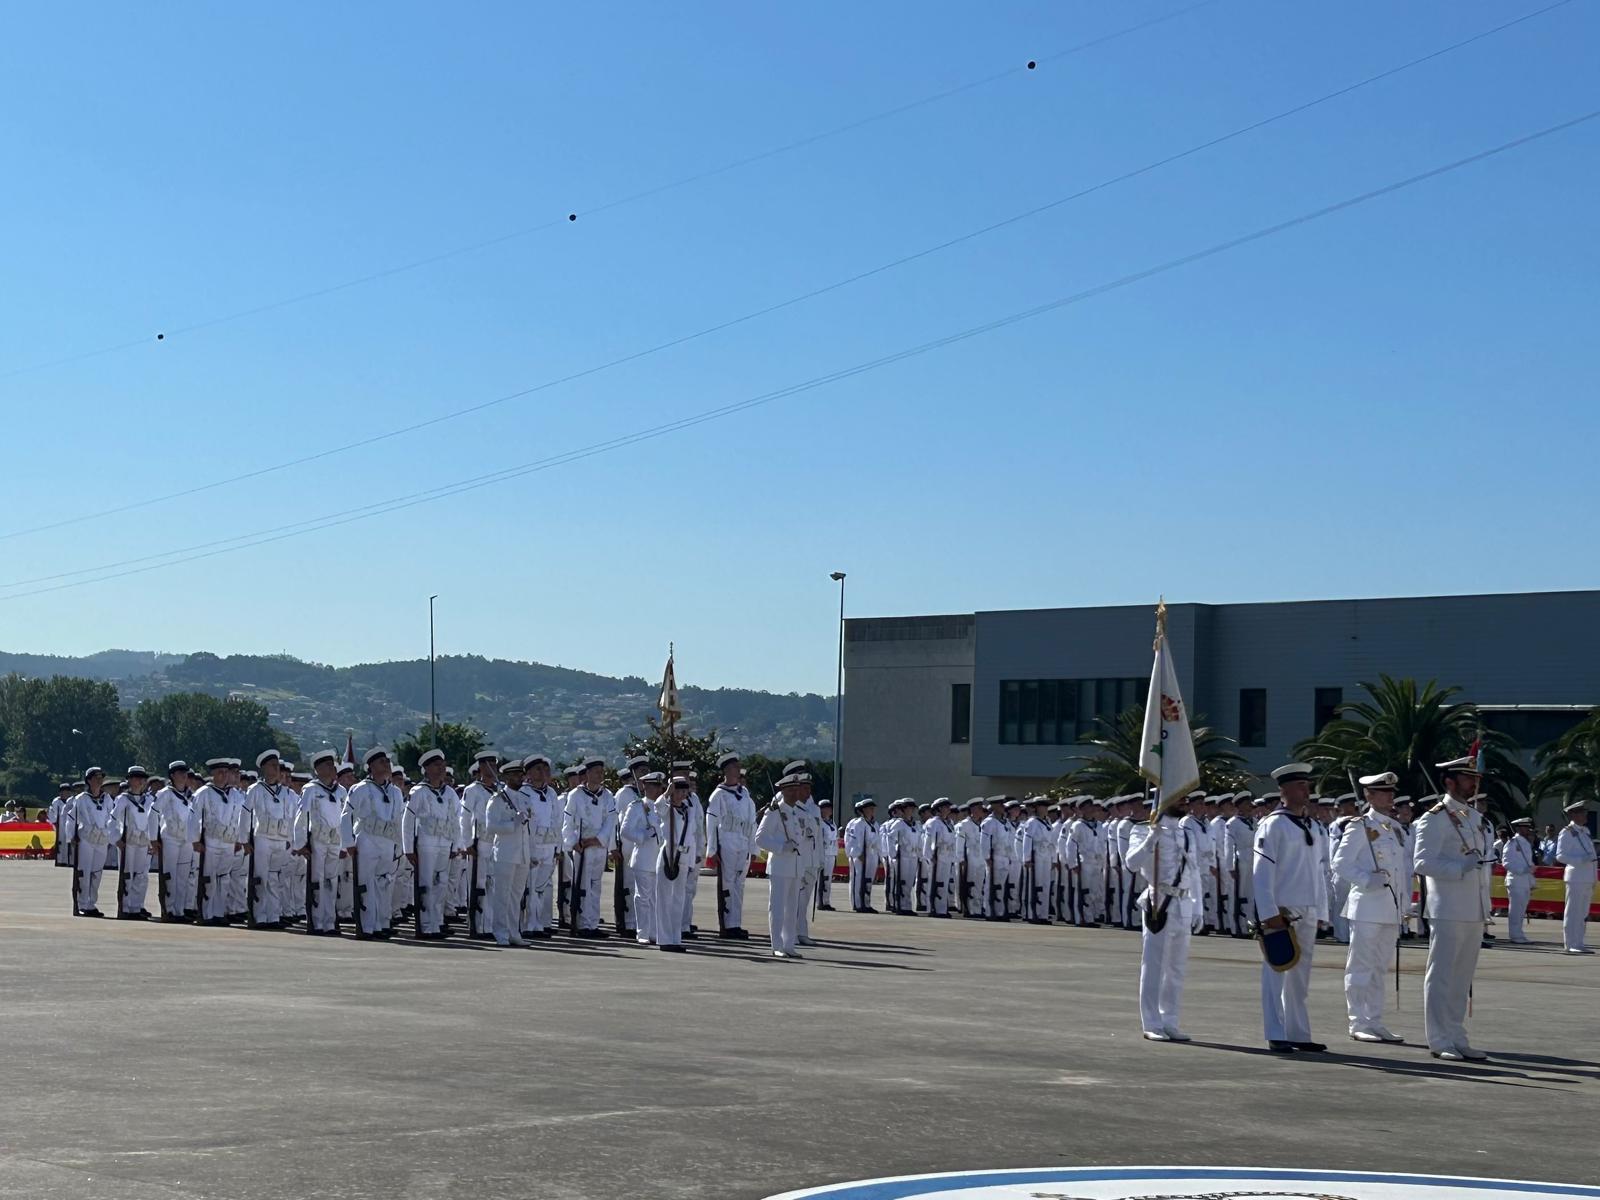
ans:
(1156, 1035)
(1365, 1035)
(1579, 950)
(779, 954)
(1177, 1035)
(1385, 1035)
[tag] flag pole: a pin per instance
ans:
(672, 717)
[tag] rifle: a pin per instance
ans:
(250, 868)
(416, 884)
(202, 889)
(122, 870)
(313, 884)
(994, 887)
(575, 907)
(562, 898)
(474, 927)
(933, 878)
(162, 881)
(77, 840)
(619, 887)
(966, 901)
(359, 888)
(724, 893)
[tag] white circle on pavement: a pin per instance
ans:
(1186, 1183)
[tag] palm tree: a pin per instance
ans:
(1569, 767)
(1406, 729)
(1114, 770)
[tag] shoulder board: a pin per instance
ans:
(1439, 807)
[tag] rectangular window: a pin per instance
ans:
(1128, 694)
(1327, 700)
(1010, 706)
(1028, 723)
(1252, 716)
(1066, 712)
(960, 713)
(1048, 734)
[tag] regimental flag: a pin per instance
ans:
(349, 747)
(1167, 759)
(671, 712)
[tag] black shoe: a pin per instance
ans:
(1309, 1047)
(825, 908)
(672, 949)
(1281, 1047)
(742, 934)
(1037, 921)
(690, 936)
(729, 935)
(1090, 925)
(693, 928)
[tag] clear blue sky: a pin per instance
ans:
(1399, 399)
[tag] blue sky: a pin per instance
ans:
(1394, 400)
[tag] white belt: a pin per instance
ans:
(441, 827)
(380, 829)
(93, 835)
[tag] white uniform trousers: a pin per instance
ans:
(783, 911)
(667, 902)
(1366, 972)
(1091, 894)
(589, 875)
(324, 865)
(690, 885)
(802, 915)
(1580, 894)
(433, 881)
(217, 882)
(1341, 925)
(460, 878)
(1518, 889)
(1041, 881)
(733, 873)
(1452, 958)
(510, 885)
(941, 887)
(177, 870)
(1014, 882)
(541, 890)
(905, 882)
(1208, 902)
(622, 898)
(294, 887)
(347, 889)
(1163, 963)
(374, 883)
(271, 863)
(643, 879)
(404, 887)
(1283, 993)
(91, 866)
(1243, 906)
(135, 877)
(860, 884)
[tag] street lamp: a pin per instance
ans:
(838, 709)
(433, 702)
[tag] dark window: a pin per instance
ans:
(1058, 712)
(961, 712)
(1066, 712)
(1010, 701)
(1028, 732)
(1252, 716)
(1328, 699)
(1086, 724)
(1128, 694)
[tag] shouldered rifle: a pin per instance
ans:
(562, 898)
(360, 890)
(313, 882)
(77, 840)
(203, 889)
(122, 870)
(250, 868)
(474, 891)
(994, 886)
(966, 886)
(724, 892)
(935, 884)
(575, 908)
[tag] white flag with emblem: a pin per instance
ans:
(668, 703)
(1167, 755)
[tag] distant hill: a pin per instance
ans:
(519, 705)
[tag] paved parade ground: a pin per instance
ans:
(148, 1062)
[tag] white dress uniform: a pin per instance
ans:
(1205, 914)
(998, 848)
(56, 814)
(1516, 856)
(1575, 852)
(641, 839)
(811, 815)
(730, 836)
(219, 830)
(622, 889)
(239, 863)
(905, 844)
(320, 827)
(1167, 855)
(675, 863)
(544, 843)
(969, 881)
(272, 828)
(1241, 838)
(507, 819)
(135, 824)
(697, 837)
(861, 852)
(1287, 880)
(1088, 853)
(940, 858)
(473, 833)
(1222, 847)
(1338, 887)
(827, 854)
(1132, 884)
(89, 825)
(430, 828)
(1452, 852)
(1017, 864)
(1038, 851)
(782, 834)
(179, 819)
(588, 815)
(376, 819)
(1370, 861)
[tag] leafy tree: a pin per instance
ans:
(1569, 767)
(664, 748)
(194, 727)
(29, 780)
(62, 724)
(1407, 728)
(1114, 769)
(458, 741)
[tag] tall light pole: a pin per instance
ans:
(838, 710)
(433, 701)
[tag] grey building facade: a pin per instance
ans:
(999, 701)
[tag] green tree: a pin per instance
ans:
(1569, 767)
(459, 742)
(28, 780)
(194, 727)
(1406, 728)
(1114, 769)
(664, 748)
(62, 724)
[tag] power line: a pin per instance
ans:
(458, 487)
(768, 310)
(632, 198)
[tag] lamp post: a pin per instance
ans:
(433, 702)
(838, 709)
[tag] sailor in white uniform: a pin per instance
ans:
(1289, 891)
(641, 835)
(861, 851)
(782, 834)
(320, 836)
(730, 839)
(375, 814)
(940, 858)
(587, 829)
(1167, 854)
(998, 849)
(88, 826)
(1370, 861)
(544, 846)
(1576, 854)
(1516, 856)
(135, 825)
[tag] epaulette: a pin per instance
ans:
(1439, 807)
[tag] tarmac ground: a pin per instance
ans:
(166, 1062)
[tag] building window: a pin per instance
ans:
(1252, 716)
(1328, 699)
(960, 712)
(1062, 712)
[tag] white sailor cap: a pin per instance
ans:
(487, 756)
(653, 777)
(682, 764)
(590, 763)
(375, 753)
(1013, 802)
(637, 761)
(798, 764)
(535, 758)
(1197, 794)
(213, 764)
(800, 779)
(1347, 798)
(1291, 772)
(265, 757)
(1267, 798)
(942, 801)
(138, 772)
(287, 764)
(177, 764)
(1383, 779)
(250, 775)
(1399, 800)
(346, 765)
(301, 776)
(574, 769)
(428, 756)
(511, 763)
(865, 802)
(1575, 806)
(824, 802)
(724, 759)
(624, 774)
(1465, 765)
(322, 756)
(1528, 821)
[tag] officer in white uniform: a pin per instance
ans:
(430, 839)
(507, 820)
(1290, 890)
(544, 845)
(622, 883)
(88, 826)
(376, 818)
(782, 834)
(940, 858)
(1166, 853)
(1452, 853)
(272, 811)
(135, 825)
(861, 852)
(730, 839)
(1516, 856)
(319, 833)
(1575, 852)
(1193, 819)
(998, 848)
(1036, 849)
(902, 845)
(1370, 861)
(587, 829)
(641, 837)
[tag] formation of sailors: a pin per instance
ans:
(508, 855)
